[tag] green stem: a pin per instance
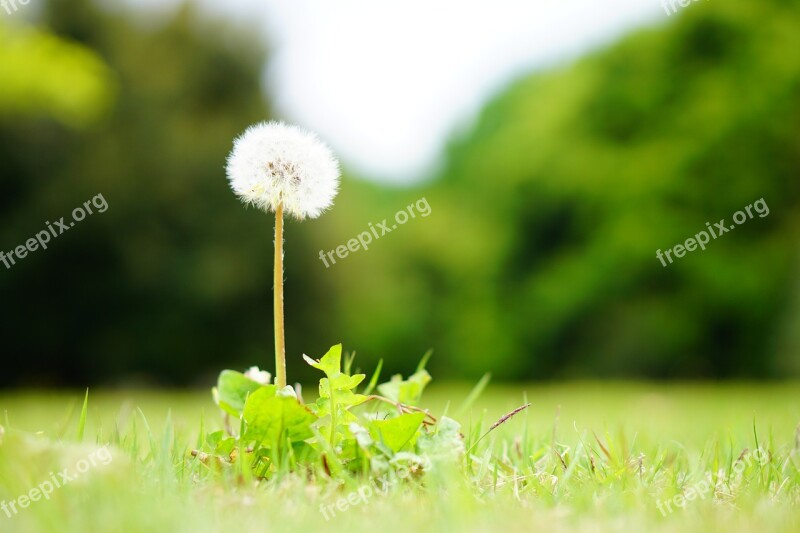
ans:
(280, 341)
(333, 415)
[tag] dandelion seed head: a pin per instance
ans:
(273, 163)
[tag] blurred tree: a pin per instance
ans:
(36, 66)
(585, 173)
(539, 260)
(174, 279)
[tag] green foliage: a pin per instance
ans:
(273, 417)
(174, 245)
(539, 258)
(336, 396)
(445, 444)
(397, 433)
(36, 67)
(673, 459)
(406, 391)
(232, 390)
(332, 434)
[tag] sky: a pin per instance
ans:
(386, 84)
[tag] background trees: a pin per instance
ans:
(538, 260)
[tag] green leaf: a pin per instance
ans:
(273, 419)
(397, 432)
(339, 383)
(304, 453)
(445, 443)
(232, 390)
(331, 362)
(409, 391)
(344, 400)
(225, 446)
(212, 439)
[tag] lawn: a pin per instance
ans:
(584, 456)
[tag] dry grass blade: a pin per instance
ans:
(503, 419)
(602, 447)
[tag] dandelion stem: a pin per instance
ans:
(280, 341)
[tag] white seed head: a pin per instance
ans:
(259, 376)
(274, 163)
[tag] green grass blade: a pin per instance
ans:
(474, 394)
(424, 361)
(82, 421)
(374, 381)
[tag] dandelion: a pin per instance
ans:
(281, 168)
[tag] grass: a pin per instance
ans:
(584, 456)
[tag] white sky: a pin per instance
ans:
(386, 83)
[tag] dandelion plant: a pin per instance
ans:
(283, 169)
